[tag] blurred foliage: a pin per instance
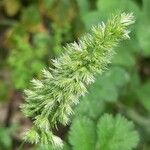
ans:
(32, 57)
(5, 139)
(33, 31)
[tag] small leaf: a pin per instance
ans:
(143, 33)
(116, 133)
(82, 134)
(124, 58)
(143, 93)
(91, 106)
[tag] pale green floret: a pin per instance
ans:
(50, 100)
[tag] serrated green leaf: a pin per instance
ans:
(116, 133)
(82, 134)
(91, 106)
(124, 58)
(111, 82)
(118, 76)
(108, 87)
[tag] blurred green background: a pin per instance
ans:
(34, 31)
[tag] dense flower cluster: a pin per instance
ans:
(50, 100)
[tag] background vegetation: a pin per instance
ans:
(34, 31)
